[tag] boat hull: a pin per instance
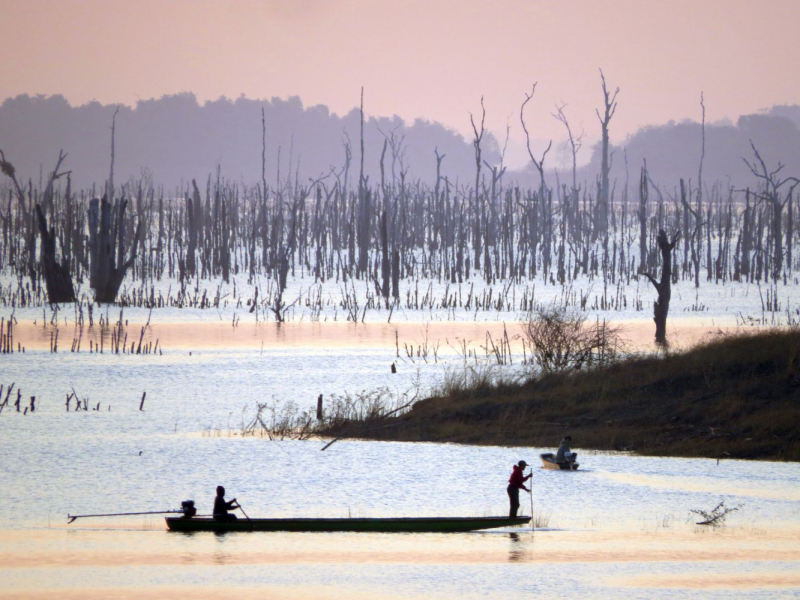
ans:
(408, 525)
(549, 462)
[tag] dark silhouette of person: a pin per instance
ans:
(221, 507)
(515, 483)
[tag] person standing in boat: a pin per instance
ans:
(221, 507)
(564, 454)
(515, 483)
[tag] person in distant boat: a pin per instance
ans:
(515, 483)
(564, 454)
(221, 507)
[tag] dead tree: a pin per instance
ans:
(693, 225)
(772, 195)
(575, 142)
(56, 275)
(193, 210)
(610, 107)
(385, 265)
(642, 214)
(536, 199)
(110, 184)
(476, 143)
(742, 261)
(26, 219)
(33, 221)
(364, 198)
(699, 204)
(539, 164)
(107, 248)
(663, 287)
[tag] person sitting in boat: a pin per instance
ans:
(221, 507)
(515, 483)
(564, 454)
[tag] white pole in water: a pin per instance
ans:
(531, 495)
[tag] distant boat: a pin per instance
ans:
(401, 525)
(549, 462)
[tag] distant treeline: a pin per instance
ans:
(175, 139)
(673, 150)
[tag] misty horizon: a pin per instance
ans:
(160, 137)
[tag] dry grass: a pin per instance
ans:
(731, 396)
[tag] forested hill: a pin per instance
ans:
(176, 139)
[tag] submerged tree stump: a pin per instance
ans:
(56, 275)
(107, 248)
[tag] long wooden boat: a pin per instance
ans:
(549, 462)
(401, 525)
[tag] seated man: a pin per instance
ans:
(564, 455)
(221, 507)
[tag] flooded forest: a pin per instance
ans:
(364, 248)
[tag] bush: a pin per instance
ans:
(559, 340)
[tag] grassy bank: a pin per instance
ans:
(734, 396)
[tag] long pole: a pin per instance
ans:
(533, 526)
(156, 512)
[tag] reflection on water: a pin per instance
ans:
(215, 334)
(590, 563)
(517, 552)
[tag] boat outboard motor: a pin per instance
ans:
(187, 506)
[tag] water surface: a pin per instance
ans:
(621, 527)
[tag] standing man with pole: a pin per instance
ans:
(515, 483)
(530, 493)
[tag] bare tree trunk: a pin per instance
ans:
(789, 230)
(107, 245)
(574, 142)
(478, 207)
(363, 206)
(385, 267)
(664, 286)
(56, 276)
(110, 185)
(610, 107)
(643, 219)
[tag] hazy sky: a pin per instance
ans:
(417, 58)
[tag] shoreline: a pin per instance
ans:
(731, 397)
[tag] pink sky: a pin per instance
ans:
(417, 58)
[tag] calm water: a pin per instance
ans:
(620, 528)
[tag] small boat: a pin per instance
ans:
(549, 462)
(400, 525)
